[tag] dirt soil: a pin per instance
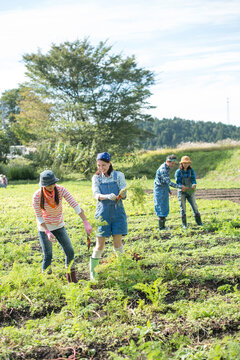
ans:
(217, 194)
(214, 194)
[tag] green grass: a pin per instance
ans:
(215, 166)
(180, 300)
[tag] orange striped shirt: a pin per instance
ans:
(53, 217)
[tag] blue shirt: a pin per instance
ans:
(162, 177)
(190, 173)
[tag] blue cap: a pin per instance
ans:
(47, 178)
(104, 156)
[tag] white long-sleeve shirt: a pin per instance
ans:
(106, 179)
(53, 217)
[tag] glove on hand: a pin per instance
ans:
(87, 227)
(109, 196)
(50, 236)
(112, 196)
(123, 193)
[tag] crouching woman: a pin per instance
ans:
(47, 204)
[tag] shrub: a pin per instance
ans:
(20, 169)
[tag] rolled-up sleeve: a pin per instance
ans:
(121, 180)
(194, 181)
(95, 187)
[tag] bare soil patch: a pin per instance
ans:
(214, 194)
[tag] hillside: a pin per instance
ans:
(218, 163)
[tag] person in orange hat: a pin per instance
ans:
(185, 175)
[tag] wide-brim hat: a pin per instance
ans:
(186, 159)
(47, 178)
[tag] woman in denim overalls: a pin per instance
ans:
(106, 185)
(185, 175)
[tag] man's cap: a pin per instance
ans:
(171, 158)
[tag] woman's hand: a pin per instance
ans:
(50, 236)
(112, 196)
(123, 193)
(108, 197)
(87, 227)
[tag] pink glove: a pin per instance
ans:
(50, 236)
(87, 226)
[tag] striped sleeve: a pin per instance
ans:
(70, 199)
(36, 207)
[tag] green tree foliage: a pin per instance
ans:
(8, 112)
(4, 145)
(34, 122)
(9, 105)
(98, 97)
(172, 132)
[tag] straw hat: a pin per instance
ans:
(185, 159)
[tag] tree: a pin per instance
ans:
(34, 122)
(172, 132)
(9, 105)
(9, 111)
(94, 92)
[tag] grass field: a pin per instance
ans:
(179, 298)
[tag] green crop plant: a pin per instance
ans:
(171, 295)
(155, 292)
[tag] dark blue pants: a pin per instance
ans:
(63, 239)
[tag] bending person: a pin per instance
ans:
(106, 185)
(185, 175)
(161, 190)
(47, 204)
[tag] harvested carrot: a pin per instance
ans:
(121, 192)
(88, 242)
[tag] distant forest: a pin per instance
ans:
(172, 132)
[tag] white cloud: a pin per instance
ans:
(192, 46)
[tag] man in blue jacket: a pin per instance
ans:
(161, 190)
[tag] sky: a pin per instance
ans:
(192, 47)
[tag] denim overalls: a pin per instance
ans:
(161, 194)
(161, 200)
(183, 195)
(111, 211)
